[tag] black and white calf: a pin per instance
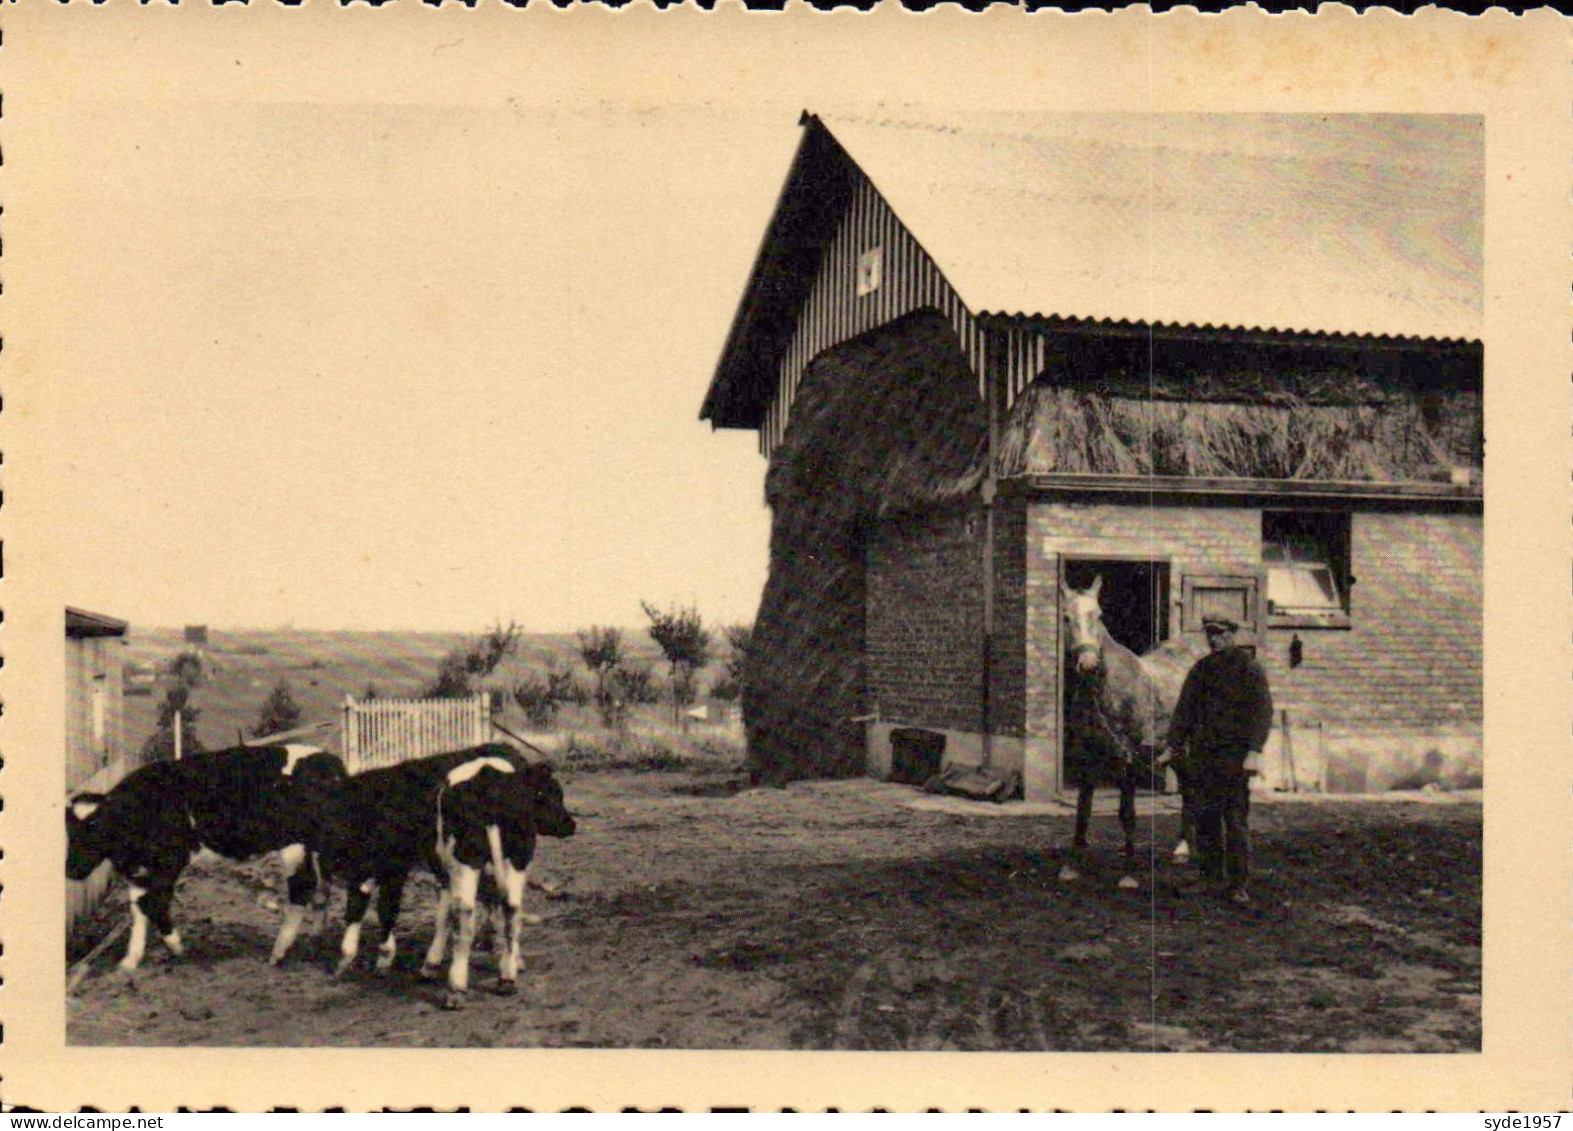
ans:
(454, 814)
(239, 803)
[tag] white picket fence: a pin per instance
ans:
(385, 732)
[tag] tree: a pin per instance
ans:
(601, 649)
(186, 669)
(739, 638)
(279, 712)
(463, 668)
(685, 643)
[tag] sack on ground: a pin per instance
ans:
(978, 784)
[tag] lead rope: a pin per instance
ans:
(1108, 726)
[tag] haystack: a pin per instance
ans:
(1240, 421)
(888, 421)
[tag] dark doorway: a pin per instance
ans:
(1135, 598)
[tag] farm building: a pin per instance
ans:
(95, 722)
(1222, 362)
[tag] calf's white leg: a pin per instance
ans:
(288, 930)
(293, 858)
(349, 948)
(355, 912)
(138, 945)
(513, 888)
(439, 941)
(465, 880)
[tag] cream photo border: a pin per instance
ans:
(1512, 70)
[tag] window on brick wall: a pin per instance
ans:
(1306, 555)
(1235, 596)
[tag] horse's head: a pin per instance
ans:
(1083, 625)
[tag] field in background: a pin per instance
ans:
(323, 667)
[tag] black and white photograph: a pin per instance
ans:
(568, 541)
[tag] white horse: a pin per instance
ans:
(1117, 711)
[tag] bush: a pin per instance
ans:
(613, 712)
(463, 668)
(635, 683)
(540, 697)
(279, 711)
(624, 753)
(535, 697)
(564, 685)
(160, 746)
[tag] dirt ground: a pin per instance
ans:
(835, 915)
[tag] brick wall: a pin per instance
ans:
(925, 619)
(1008, 685)
(1410, 664)
(1415, 652)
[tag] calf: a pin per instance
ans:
(453, 814)
(239, 803)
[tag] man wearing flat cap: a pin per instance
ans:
(1220, 725)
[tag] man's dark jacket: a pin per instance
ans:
(1225, 707)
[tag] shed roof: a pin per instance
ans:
(1345, 224)
(80, 623)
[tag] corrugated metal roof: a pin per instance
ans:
(1338, 224)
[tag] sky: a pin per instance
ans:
(390, 325)
(404, 367)
(403, 320)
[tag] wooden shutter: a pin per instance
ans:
(1234, 595)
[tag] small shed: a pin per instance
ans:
(1223, 362)
(96, 756)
